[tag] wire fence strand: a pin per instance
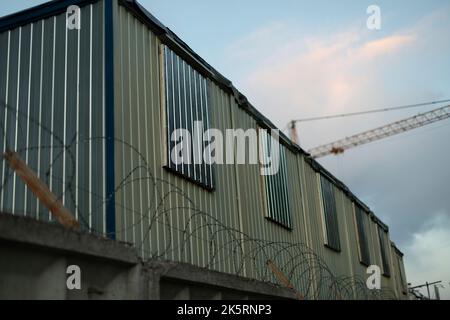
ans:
(221, 246)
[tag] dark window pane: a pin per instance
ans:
(330, 214)
(361, 224)
(186, 102)
(276, 185)
(384, 256)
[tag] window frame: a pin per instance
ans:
(323, 214)
(208, 180)
(366, 234)
(403, 283)
(385, 261)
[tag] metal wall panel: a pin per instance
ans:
(55, 78)
(398, 273)
(51, 80)
(165, 215)
(337, 262)
(161, 213)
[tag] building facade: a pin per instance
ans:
(91, 109)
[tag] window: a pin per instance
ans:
(403, 283)
(361, 226)
(187, 106)
(276, 185)
(382, 235)
(329, 212)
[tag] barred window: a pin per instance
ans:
(187, 106)
(382, 236)
(278, 208)
(361, 226)
(403, 283)
(329, 214)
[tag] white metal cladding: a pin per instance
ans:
(276, 185)
(187, 101)
(330, 214)
(51, 80)
(398, 272)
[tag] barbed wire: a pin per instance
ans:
(200, 235)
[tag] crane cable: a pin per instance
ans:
(342, 115)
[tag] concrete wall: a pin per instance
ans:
(35, 256)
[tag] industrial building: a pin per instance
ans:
(90, 110)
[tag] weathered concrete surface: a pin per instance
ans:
(34, 257)
(25, 230)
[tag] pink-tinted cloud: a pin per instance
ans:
(385, 46)
(295, 75)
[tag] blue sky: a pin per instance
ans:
(295, 59)
(208, 26)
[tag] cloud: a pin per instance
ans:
(318, 76)
(387, 45)
(427, 258)
(288, 73)
(251, 44)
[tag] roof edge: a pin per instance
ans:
(38, 12)
(397, 250)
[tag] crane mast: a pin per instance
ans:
(382, 132)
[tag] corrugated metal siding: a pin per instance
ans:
(236, 203)
(398, 274)
(402, 274)
(254, 210)
(349, 238)
(167, 216)
(389, 282)
(56, 77)
(339, 263)
(161, 213)
(51, 79)
(226, 208)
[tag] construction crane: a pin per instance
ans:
(382, 132)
